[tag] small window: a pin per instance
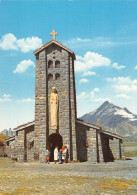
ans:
(50, 64)
(50, 77)
(57, 76)
(57, 64)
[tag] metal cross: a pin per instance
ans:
(54, 34)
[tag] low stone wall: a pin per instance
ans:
(22, 147)
(2, 149)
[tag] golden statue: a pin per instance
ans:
(54, 108)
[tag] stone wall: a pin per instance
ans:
(117, 148)
(95, 146)
(10, 149)
(66, 91)
(21, 148)
(86, 143)
(19, 145)
(30, 134)
(2, 149)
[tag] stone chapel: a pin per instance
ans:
(56, 121)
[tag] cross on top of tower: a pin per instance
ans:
(53, 33)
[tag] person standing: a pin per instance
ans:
(60, 156)
(56, 153)
(64, 153)
(47, 153)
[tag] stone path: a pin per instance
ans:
(119, 177)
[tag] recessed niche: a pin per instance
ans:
(50, 77)
(57, 64)
(50, 64)
(57, 76)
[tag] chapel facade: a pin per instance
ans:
(56, 121)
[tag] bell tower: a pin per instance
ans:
(55, 70)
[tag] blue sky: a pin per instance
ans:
(103, 35)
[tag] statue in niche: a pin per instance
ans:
(54, 108)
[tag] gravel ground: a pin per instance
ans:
(119, 177)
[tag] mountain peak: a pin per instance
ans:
(111, 115)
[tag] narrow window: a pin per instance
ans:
(50, 77)
(57, 76)
(57, 64)
(50, 64)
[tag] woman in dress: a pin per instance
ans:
(56, 154)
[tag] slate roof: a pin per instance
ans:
(10, 138)
(20, 127)
(98, 128)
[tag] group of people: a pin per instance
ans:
(59, 155)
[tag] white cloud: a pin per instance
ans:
(83, 81)
(6, 95)
(29, 44)
(23, 66)
(82, 95)
(124, 84)
(97, 42)
(95, 90)
(5, 98)
(10, 42)
(135, 67)
(126, 88)
(83, 40)
(91, 60)
(116, 66)
(28, 100)
(124, 96)
(122, 80)
(89, 73)
(102, 99)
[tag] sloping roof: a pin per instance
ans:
(54, 42)
(18, 128)
(21, 127)
(10, 138)
(100, 129)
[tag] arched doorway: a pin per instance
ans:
(53, 141)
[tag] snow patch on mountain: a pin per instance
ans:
(111, 116)
(125, 114)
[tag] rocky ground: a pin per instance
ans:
(119, 177)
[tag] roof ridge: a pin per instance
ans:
(56, 42)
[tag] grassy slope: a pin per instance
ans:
(3, 137)
(130, 149)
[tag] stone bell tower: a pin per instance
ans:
(55, 70)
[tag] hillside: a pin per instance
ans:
(3, 137)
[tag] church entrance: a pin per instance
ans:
(53, 141)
